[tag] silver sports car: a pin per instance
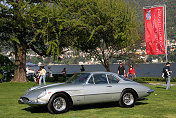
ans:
(86, 88)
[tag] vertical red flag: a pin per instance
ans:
(154, 31)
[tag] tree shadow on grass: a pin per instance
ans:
(80, 107)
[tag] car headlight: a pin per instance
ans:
(27, 91)
(30, 89)
(43, 93)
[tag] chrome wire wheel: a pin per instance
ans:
(59, 104)
(128, 99)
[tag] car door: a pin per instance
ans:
(116, 88)
(97, 89)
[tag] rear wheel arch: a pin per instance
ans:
(128, 98)
(136, 95)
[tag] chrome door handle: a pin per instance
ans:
(109, 86)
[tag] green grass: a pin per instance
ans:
(161, 104)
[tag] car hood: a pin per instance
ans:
(44, 86)
(128, 81)
(64, 86)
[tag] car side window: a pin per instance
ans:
(100, 79)
(112, 79)
(91, 80)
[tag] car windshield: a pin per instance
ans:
(126, 79)
(78, 78)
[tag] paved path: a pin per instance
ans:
(160, 84)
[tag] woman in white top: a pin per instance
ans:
(42, 74)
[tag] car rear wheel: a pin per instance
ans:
(127, 99)
(59, 103)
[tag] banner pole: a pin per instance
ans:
(165, 32)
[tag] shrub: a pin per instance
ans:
(6, 68)
(55, 78)
(142, 79)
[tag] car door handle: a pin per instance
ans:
(109, 86)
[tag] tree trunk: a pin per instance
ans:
(20, 63)
(107, 65)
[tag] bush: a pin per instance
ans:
(6, 68)
(1, 76)
(59, 78)
(55, 78)
(143, 79)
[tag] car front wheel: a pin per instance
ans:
(127, 99)
(59, 103)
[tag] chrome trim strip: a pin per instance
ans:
(96, 94)
(150, 91)
(20, 101)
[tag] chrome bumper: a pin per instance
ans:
(150, 91)
(27, 101)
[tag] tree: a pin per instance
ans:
(105, 28)
(27, 24)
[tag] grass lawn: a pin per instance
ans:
(161, 104)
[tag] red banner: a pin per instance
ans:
(154, 31)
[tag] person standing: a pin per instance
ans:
(82, 68)
(121, 70)
(131, 72)
(167, 75)
(35, 76)
(42, 74)
(64, 72)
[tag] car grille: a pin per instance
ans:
(25, 100)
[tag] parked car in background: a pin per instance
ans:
(86, 88)
(29, 71)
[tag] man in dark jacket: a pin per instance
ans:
(167, 75)
(121, 70)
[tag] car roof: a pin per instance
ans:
(97, 72)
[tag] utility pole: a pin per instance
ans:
(165, 32)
